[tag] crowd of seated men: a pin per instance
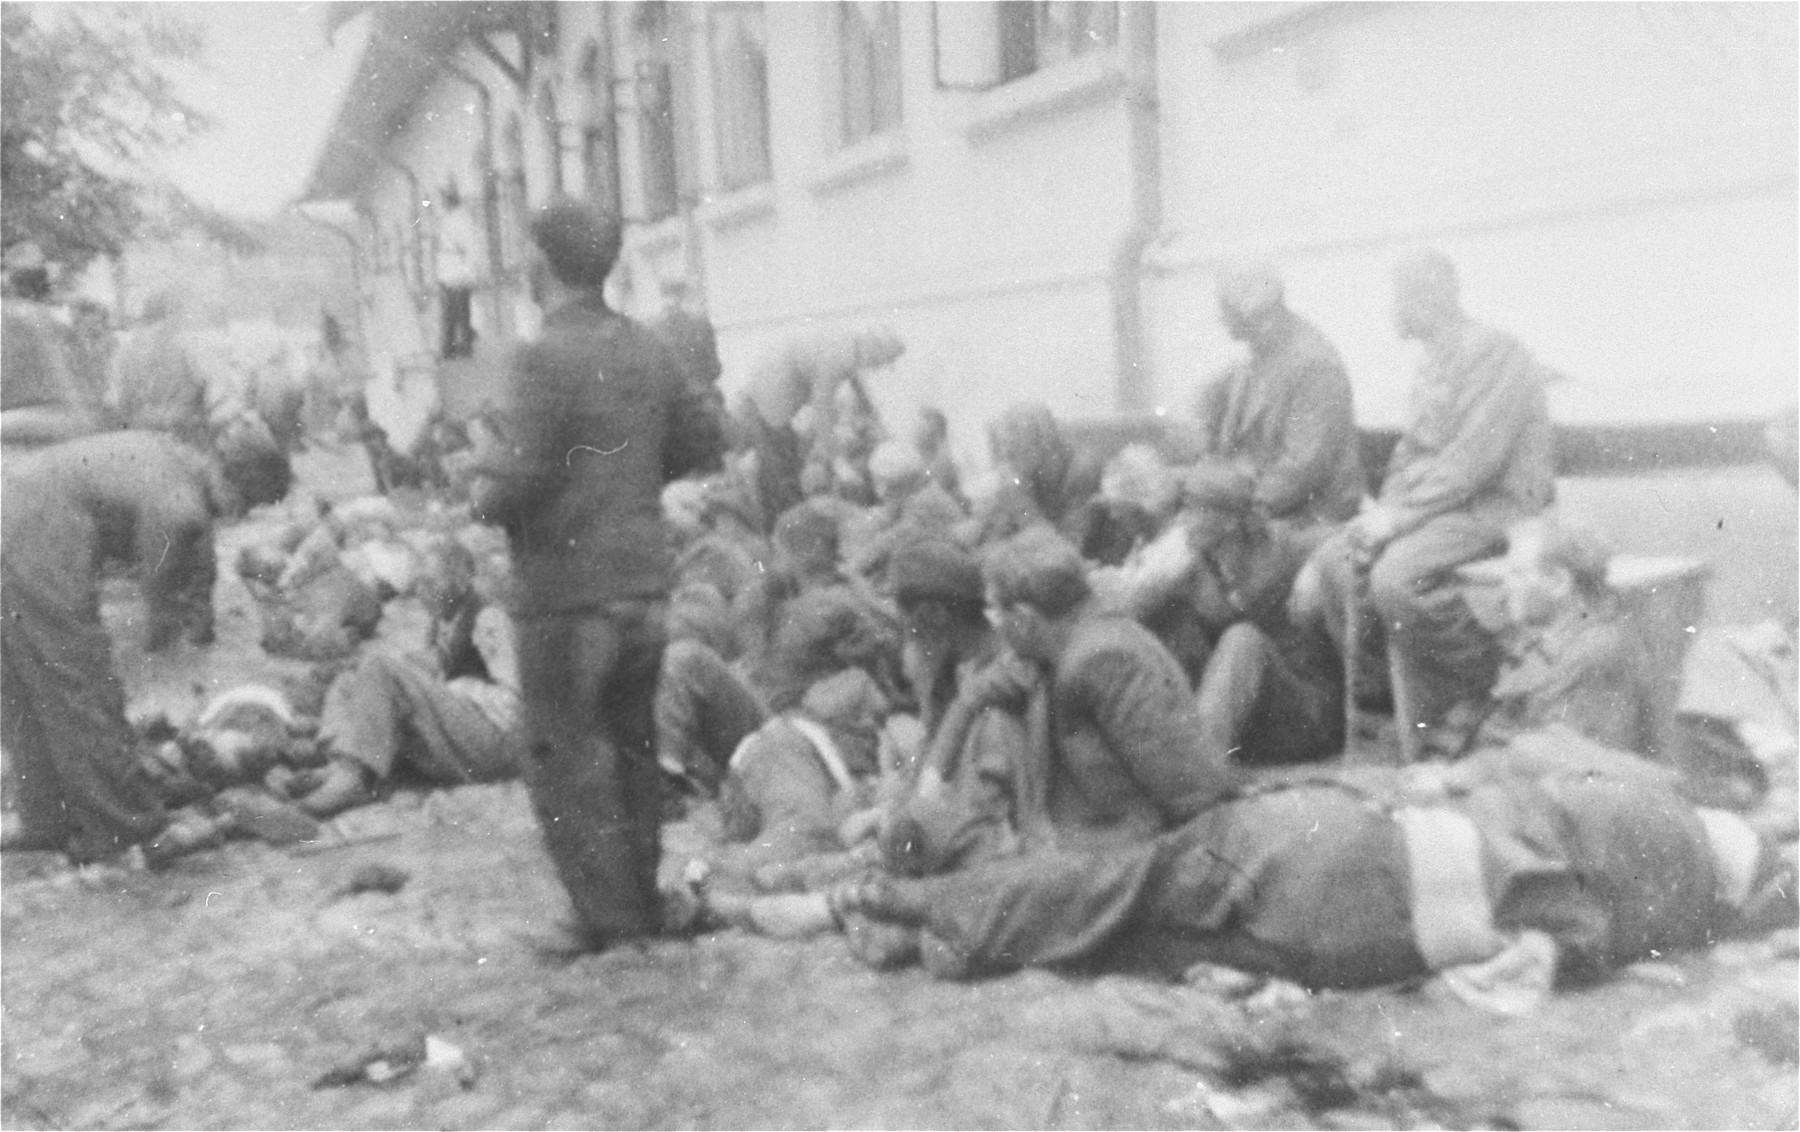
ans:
(1113, 707)
(1103, 710)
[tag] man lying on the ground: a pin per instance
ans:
(321, 584)
(225, 775)
(1347, 881)
(449, 718)
(79, 786)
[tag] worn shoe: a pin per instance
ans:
(187, 834)
(344, 785)
(881, 946)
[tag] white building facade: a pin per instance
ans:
(1036, 194)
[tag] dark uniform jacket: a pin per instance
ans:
(1124, 743)
(602, 418)
(1287, 415)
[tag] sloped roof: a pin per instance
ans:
(407, 41)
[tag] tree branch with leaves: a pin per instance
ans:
(84, 102)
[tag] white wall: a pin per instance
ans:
(1616, 182)
(981, 233)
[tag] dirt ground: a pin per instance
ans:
(215, 993)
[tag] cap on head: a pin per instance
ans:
(1040, 567)
(809, 533)
(935, 570)
(1215, 487)
(580, 241)
(1250, 289)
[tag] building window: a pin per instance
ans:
(550, 135)
(599, 130)
(867, 39)
(656, 130)
(738, 42)
(1035, 34)
(660, 99)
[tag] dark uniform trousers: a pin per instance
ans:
(589, 680)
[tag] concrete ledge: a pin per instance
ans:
(866, 160)
(739, 207)
(1581, 450)
(1063, 86)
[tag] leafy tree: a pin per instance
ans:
(83, 101)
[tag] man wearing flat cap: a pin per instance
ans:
(962, 807)
(1285, 414)
(601, 418)
(1475, 459)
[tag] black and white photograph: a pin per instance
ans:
(899, 564)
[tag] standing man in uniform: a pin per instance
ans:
(134, 494)
(1285, 415)
(41, 401)
(601, 419)
(458, 267)
(1476, 459)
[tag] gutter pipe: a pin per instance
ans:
(1135, 388)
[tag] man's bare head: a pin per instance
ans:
(1251, 295)
(1426, 294)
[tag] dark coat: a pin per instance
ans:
(601, 419)
(1125, 754)
(1287, 415)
